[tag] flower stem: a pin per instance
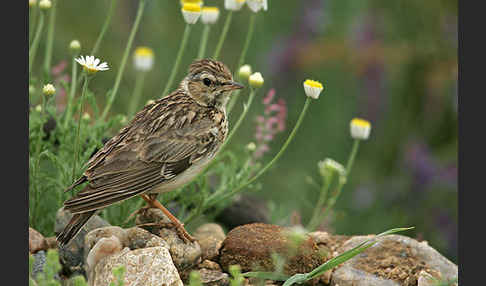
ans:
(269, 164)
(223, 35)
(137, 93)
(246, 107)
(249, 35)
(33, 14)
(76, 143)
(72, 92)
(104, 28)
(311, 226)
(204, 41)
(354, 151)
(50, 38)
(175, 68)
(35, 42)
(141, 6)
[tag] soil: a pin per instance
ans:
(393, 260)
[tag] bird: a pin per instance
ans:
(166, 145)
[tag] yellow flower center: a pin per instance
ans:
(210, 9)
(144, 52)
(190, 7)
(313, 83)
(360, 122)
(191, 1)
(240, 1)
(90, 69)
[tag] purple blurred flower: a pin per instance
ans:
(269, 124)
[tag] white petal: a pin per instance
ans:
(96, 62)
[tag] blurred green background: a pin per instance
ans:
(393, 63)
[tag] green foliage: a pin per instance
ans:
(237, 278)
(195, 278)
(119, 274)
(51, 268)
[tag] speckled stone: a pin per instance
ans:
(251, 246)
(210, 237)
(148, 267)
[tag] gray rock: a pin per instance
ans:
(213, 277)
(39, 262)
(72, 255)
(210, 237)
(389, 254)
(148, 267)
(141, 238)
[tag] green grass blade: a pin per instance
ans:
(267, 275)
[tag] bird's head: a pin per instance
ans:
(210, 83)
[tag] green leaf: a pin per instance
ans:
(267, 275)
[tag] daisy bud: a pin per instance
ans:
(210, 15)
(233, 5)
(150, 101)
(191, 12)
(251, 147)
(143, 58)
(360, 128)
(31, 89)
(48, 89)
(257, 5)
(86, 116)
(75, 46)
(123, 119)
(45, 4)
(329, 166)
(244, 72)
(32, 3)
(313, 88)
(256, 80)
(38, 108)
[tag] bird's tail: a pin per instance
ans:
(73, 227)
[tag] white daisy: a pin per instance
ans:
(257, 5)
(313, 88)
(360, 128)
(209, 15)
(92, 64)
(234, 5)
(143, 58)
(191, 12)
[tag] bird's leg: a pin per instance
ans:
(153, 202)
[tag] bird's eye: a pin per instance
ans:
(207, 81)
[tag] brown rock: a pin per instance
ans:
(141, 238)
(104, 247)
(95, 235)
(51, 242)
(36, 241)
(251, 246)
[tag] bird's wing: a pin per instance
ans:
(154, 152)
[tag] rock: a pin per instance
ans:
(141, 238)
(104, 232)
(208, 264)
(210, 237)
(394, 260)
(213, 277)
(72, 255)
(251, 246)
(104, 247)
(184, 255)
(147, 266)
(245, 209)
(39, 262)
(51, 242)
(36, 241)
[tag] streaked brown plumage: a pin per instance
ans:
(162, 148)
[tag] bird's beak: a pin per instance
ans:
(232, 85)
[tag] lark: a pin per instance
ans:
(166, 145)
